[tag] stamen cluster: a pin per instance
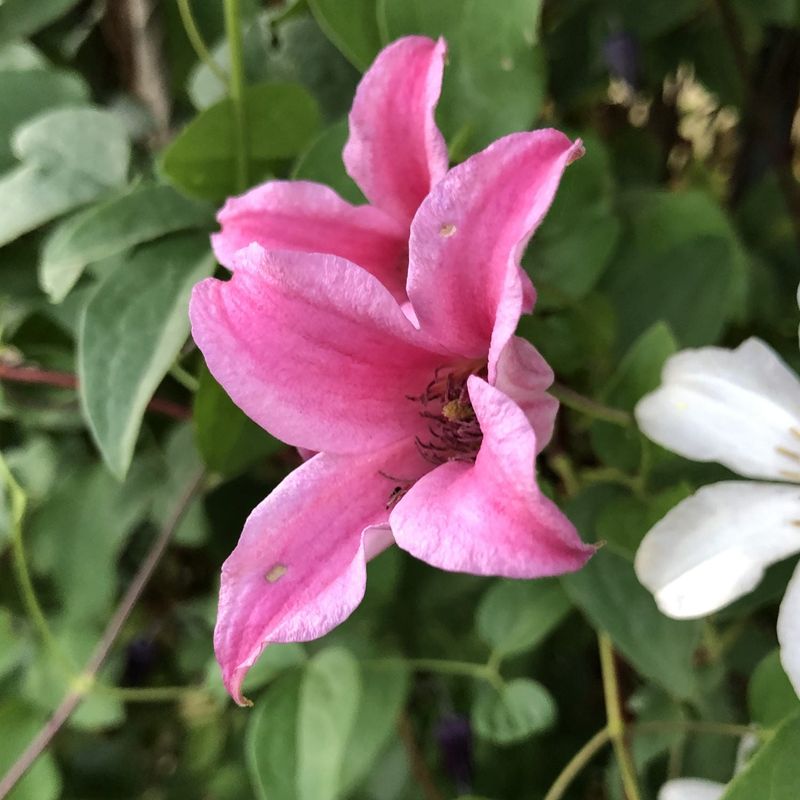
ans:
(455, 432)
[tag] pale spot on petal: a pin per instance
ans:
(276, 573)
(447, 230)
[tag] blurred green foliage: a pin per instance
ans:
(678, 228)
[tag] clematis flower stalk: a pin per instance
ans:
(740, 408)
(395, 153)
(426, 415)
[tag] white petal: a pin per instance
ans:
(789, 630)
(691, 789)
(738, 407)
(714, 546)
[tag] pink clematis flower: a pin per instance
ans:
(395, 154)
(426, 420)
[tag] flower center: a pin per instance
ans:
(454, 431)
(455, 434)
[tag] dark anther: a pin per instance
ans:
(455, 432)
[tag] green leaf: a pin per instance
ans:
(638, 373)
(770, 696)
(47, 682)
(20, 18)
(78, 533)
(21, 56)
(130, 333)
(12, 644)
(329, 701)
(282, 118)
(71, 156)
(383, 695)
(276, 659)
(352, 26)
(182, 463)
(515, 616)
(20, 723)
(579, 235)
(772, 772)
(145, 213)
(495, 78)
(90, 142)
(322, 162)
(653, 19)
(624, 522)
(270, 743)
(661, 649)
(27, 92)
(520, 709)
(681, 263)
(227, 438)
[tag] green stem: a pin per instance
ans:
(610, 475)
(18, 502)
(577, 764)
(196, 40)
(184, 377)
(561, 464)
(233, 32)
(696, 726)
(579, 761)
(146, 694)
(616, 725)
(591, 408)
(483, 672)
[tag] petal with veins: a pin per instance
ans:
(738, 407)
(714, 546)
(395, 152)
(468, 235)
(310, 217)
(524, 376)
(489, 518)
(314, 349)
(300, 566)
(789, 630)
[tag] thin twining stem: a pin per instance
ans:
(577, 763)
(483, 672)
(582, 758)
(591, 408)
(33, 609)
(236, 83)
(616, 724)
(84, 683)
(196, 40)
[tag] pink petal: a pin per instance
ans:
(466, 240)
(300, 215)
(524, 376)
(300, 566)
(395, 152)
(489, 518)
(314, 349)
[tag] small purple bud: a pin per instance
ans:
(621, 54)
(140, 658)
(454, 736)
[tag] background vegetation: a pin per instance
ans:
(680, 227)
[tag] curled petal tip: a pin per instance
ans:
(576, 151)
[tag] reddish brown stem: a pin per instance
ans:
(419, 769)
(66, 380)
(114, 627)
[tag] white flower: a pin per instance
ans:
(740, 408)
(691, 789)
